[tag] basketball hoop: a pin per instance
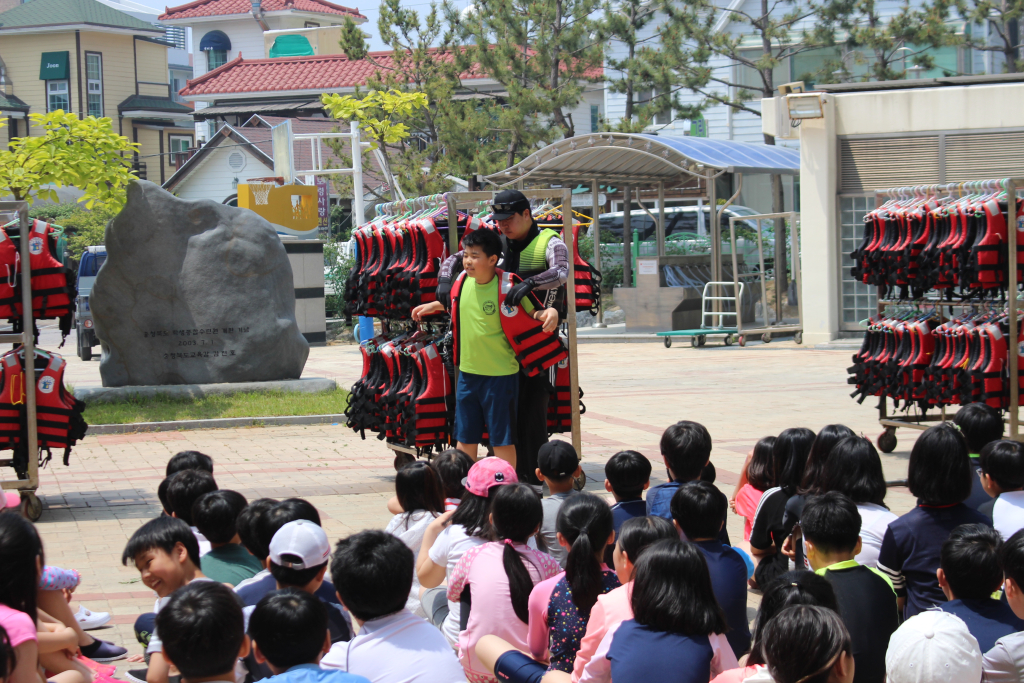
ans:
(261, 187)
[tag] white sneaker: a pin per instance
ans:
(88, 619)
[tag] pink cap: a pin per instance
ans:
(489, 472)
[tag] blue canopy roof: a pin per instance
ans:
(215, 40)
(641, 158)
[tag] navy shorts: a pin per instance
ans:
(486, 400)
(515, 667)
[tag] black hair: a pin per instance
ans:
(20, 545)
(517, 512)
(288, 510)
(761, 468)
(802, 644)
(1003, 461)
(291, 577)
(789, 455)
(587, 522)
(215, 514)
(792, 588)
(202, 629)
(672, 591)
(452, 466)
(939, 472)
(824, 442)
(686, 446)
(486, 239)
(709, 473)
(1011, 558)
(247, 526)
(628, 472)
(970, 560)
(854, 469)
(161, 493)
(831, 522)
(980, 424)
(419, 488)
(699, 508)
(184, 489)
(8, 660)
(189, 460)
(637, 533)
(163, 533)
(372, 572)
(289, 626)
(472, 513)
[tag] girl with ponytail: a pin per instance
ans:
(560, 606)
(496, 578)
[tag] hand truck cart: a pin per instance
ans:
(698, 337)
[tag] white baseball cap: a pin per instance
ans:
(933, 647)
(302, 539)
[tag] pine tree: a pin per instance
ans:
(1003, 19)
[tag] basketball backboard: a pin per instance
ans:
(284, 156)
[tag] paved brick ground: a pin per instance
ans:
(633, 391)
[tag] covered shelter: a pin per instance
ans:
(637, 160)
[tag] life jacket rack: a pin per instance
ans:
(398, 256)
(948, 324)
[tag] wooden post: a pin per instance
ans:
(570, 298)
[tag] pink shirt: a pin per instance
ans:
(481, 568)
(19, 626)
(738, 675)
(747, 499)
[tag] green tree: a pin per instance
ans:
(86, 228)
(1003, 19)
(84, 153)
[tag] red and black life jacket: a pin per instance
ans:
(535, 349)
(587, 278)
(51, 297)
(10, 272)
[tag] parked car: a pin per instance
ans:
(678, 219)
(88, 267)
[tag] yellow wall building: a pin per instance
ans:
(90, 59)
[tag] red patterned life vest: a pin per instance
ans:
(50, 296)
(10, 271)
(587, 279)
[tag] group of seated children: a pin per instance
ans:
(478, 579)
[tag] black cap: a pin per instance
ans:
(557, 459)
(508, 202)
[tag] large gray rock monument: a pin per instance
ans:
(194, 292)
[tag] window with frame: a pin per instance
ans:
(651, 96)
(311, 24)
(94, 83)
(57, 96)
(179, 144)
(216, 58)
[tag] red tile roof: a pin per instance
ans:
(319, 72)
(213, 8)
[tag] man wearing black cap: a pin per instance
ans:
(541, 259)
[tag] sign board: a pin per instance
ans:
(699, 127)
(647, 266)
(587, 201)
(292, 209)
(323, 197)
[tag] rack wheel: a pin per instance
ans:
(402, 459)
(742, 341)
(766, 338)
(668, 342)
(702, 339)
(693, 342)
(728, 340)
(887, 440)
(32, 507)
(579, 482)
(798, 337)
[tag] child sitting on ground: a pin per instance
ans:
(1002, 477)
(202, 631)
(216, 515)
(183, 460)
(697, 509)
(183, 490)
(500, 575)
(805, 644)
(488, 385)
(627, 474)
(939, 476)
(248, 526)
(419, 493)
(558, 465)
(980, 424)
(968, 576)
(289, 636)
(452, 466)
(867, 601)
(1002, 662)
(933, 646)
(372, 572)
(166, 553)
(757, 478)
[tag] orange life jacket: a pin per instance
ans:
(50, 295)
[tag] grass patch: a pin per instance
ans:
(254, 404)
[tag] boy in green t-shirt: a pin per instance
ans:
(488, 387)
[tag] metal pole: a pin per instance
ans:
(453, 223)
(760, 261)
(29, 342)
(627, 237)
(570, 297)
(358, 216)
(715, 230)
(1011, 209)
(735, 275)
(794, 239)
(661, 218)
(595, 205)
